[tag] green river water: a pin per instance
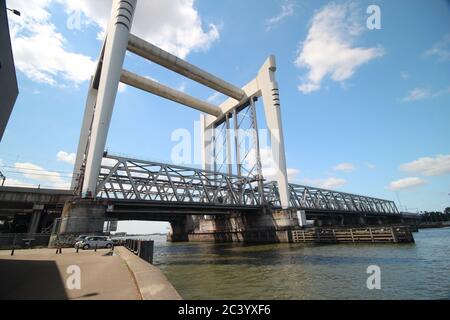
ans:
(297, 271)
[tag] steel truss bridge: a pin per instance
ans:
(195, 191)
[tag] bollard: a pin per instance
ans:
(95, 250)
(78, 249)
(14, 244)
(146, 251)
(138, 248)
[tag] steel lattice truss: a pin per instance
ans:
(247, 142)
(129, 179)
(220, 148)
(311, 198)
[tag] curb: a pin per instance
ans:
(151, 282)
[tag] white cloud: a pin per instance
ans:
(182, 87)
(371, 166)
(404, 75)
(437, 166)
(174, 25)
(421, 94)
(122, 87)
(216, 97)
(42, 176)
(406, 183)
(328, 183)
(345, 167)
(17, 183)
(440, 50)
(417, 94)
(441, 92)
(287, 10)
(329, 47)
(63, 156)
(40, 50)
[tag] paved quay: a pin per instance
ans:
(44, 275)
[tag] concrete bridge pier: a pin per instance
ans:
(181, 228)
(84, 216)
(36, 218)
(267, 226)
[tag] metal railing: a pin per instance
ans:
(23, 240)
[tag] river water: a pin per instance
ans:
(297, 271)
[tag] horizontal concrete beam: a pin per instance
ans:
(171, 62)
(163, 91)
(31, 195)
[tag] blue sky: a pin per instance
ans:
(364, 111)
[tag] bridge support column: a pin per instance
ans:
(35, 218)
(80, 217)
(206, 140)
(115, 49)
(180, 229)
(84, 135)
(271, 98)
(301, 216)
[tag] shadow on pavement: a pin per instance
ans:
(31, 280)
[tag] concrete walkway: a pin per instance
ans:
(42, 274)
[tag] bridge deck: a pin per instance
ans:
(140, 188)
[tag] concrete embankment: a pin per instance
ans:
(151, 282)
(88, 275)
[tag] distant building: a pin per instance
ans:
(8, 80)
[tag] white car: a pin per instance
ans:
(95, 242)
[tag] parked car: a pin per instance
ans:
(81, 238)
(95, 242)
